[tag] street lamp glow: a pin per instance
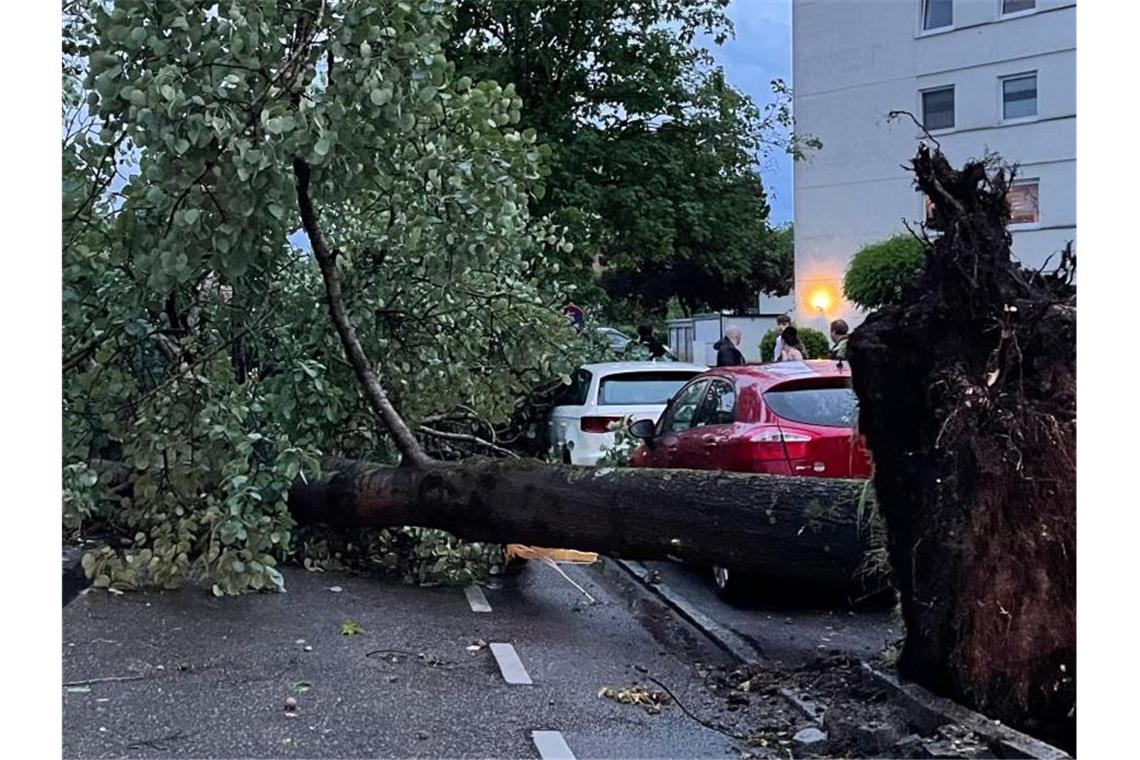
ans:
(821, 300)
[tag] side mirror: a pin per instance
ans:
(643, 429)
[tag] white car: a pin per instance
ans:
(608, 392)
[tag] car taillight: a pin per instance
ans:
(774, 443)
(598, 424)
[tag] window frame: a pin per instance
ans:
(1002, 119)
(1003, 14)
(1036, 223)
(639, 375)
(664, 425)
(922, 30)
(922, 93)
(713, 381)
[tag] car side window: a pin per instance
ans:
(576, 392)
(718, 406)
(683, 409)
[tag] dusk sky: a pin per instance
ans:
(761, 52)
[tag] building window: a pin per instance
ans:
(1019, 96)
(937, 14)
(1017, 6)
(1023, 202)
(938, 108)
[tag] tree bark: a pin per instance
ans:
(785, 528)
(967, 399)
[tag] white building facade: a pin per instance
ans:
(982, 75)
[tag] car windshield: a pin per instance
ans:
(641, 387)
(830, 407)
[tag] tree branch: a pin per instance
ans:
(465, 438)
(326, 259)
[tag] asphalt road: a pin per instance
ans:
(790, 633)
(184, 674)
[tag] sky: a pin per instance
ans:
(761, 52)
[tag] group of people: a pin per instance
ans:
(788, 347)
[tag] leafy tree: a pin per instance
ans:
(654, 154)
(878, 273)
(197, 349)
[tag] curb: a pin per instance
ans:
(925, 707)
(930, 707)
(723, 637)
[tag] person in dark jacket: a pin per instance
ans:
(727, 353)
(645, 338)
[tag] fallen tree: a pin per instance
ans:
(967, 398)
(795, 529)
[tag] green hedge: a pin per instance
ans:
(879, 272)
(814, 344)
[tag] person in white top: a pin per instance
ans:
(782, 322)
(791, 350)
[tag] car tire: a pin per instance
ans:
(730, 585)
(566, 458)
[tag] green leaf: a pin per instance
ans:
(350, 628)
(381, 95)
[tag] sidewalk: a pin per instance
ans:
(181, 674)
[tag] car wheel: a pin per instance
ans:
(566, 459)
(729, 584)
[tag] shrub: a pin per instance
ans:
(879, 272)
(814, 344)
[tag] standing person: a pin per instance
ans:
(839, 331)
(645, 338)
(782, 322)
(791, 350)
(727, 353)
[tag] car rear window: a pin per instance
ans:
(830, 407)
(641, 387)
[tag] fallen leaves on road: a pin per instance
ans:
(652, 701)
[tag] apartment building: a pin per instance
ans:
(981, 75)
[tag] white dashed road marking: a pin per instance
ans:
(551, 745)
(509, 664)
(476, 599)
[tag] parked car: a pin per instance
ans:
(788, 418)
(619, 342)
(608, 392)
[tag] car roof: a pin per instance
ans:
(778, 372)
(609, 368)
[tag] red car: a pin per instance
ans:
(788, 418)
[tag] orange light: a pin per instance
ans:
(821, 300)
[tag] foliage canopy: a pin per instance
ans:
(197, 352)
(879, 272)
(654, 163)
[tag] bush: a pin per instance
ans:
(879, 272)
(814, 344)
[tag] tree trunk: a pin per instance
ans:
(795, 529)
(967, 399)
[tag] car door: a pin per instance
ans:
(713, 433)
(670, 446)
